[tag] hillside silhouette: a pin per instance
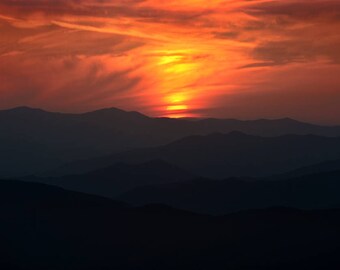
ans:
(46, 227)
(315, 191)
(326, 166)
(34, 140)
(119, 177)
(112, 189)
(224, 155)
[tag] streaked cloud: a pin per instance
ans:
(172, 58)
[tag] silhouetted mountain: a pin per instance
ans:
(327, 166)
(31, 196)
(225, 196)
(34, 140)
(120, 177)
(220, 156)
(67, 230)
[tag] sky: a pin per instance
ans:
(244, 59)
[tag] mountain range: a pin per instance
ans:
(112, 189)
(44, 227)
(224, 155)
(206, 196)
(33, 140)
(118, 178)
(314, 187)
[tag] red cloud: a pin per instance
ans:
(151, 55)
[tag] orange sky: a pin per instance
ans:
(231, 59)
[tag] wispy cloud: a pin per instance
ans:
(153, 55)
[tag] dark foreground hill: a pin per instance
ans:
(33, 140)
(225, 155)
(44, 227)
(314, 191)
(159, 182)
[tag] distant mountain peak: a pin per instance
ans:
(289, 120)
(112, 111)
(237, 134)
(107, 110)
(148, 166)
(25, 109)
(232, 134)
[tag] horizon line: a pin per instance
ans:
(170, 118)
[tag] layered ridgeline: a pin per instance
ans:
(224, 155)
(159, 182)
(45, 227)
(206, 196)
(277, 166)
(118, 178)
(170, 173)
(33, 140)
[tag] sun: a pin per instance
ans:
(177, 108)
(176, 68)
(176, 98)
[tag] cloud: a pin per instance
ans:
(149, 55)
(300, 91)
(68, 83)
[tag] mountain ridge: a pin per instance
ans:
(85, 232)
(207, 196)
(225, 155)
(118, 178)
(25, 109)
(65, 138)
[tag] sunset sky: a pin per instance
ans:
(243, 59)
